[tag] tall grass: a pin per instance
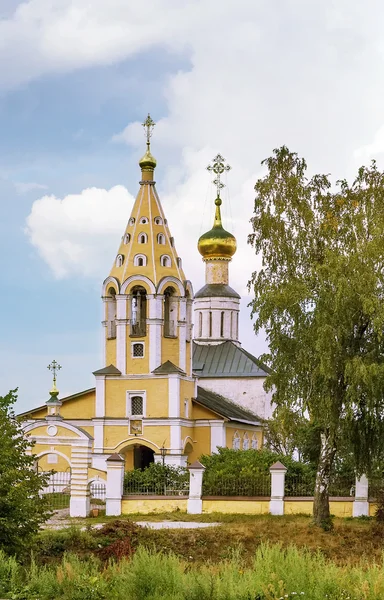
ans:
(275, 574)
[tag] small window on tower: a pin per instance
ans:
(136, 406)
(119, 260)
(165, 261)
(143, 238)
(138, 350)
(172, 241)
(161, 238)
(143, 220)
(132, 221)
(140, 260)
(158, 221)
(127, 238)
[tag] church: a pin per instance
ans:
(169, 390)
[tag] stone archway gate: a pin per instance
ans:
(54, 436)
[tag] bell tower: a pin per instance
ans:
(148, 302)
(147, 381)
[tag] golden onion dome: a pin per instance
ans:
(217, 244)
(148, 161)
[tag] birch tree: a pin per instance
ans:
(319, 295)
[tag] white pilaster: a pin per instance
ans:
(217, 436)
(100, 396)
(276, 504)
(80, 461)
(98, 435)
(121, 346)
(174, 396)
(175, 437)
(361, 504)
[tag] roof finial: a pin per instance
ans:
(54, 367)
(218, 168)
(148, 125)
(148, 162)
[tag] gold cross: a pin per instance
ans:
(218, 167)
(54, 367)
(148, 125)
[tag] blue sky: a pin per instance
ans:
(77, 78)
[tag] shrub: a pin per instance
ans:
(156, 479)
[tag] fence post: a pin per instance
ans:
(115, 481)
(195, 503)
(360, 503)
(276, 504)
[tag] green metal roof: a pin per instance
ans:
(216, 290)
(225, 407)
(110, 370)
(226, 360)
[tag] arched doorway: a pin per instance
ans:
(142, 457)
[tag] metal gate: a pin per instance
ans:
(98, 492)
(58, 489)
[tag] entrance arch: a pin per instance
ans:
(142, 456)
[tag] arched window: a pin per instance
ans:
(222, 324)
(254, 442)
(132, 221)
(111, 314)
(170, 312)
(138, 312)
(119, 260)
(245, 441)
(158, 221)
(200, 324)
(140, 260)
(161, 238)
(137, 406)
(165, 261)
(179, 262)
(236, 441)
(127, 238)
(143, 220)
(172, 241)
(237, 326)
(210, 324)
(143, 238)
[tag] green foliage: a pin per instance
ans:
(320, 297)
(156, 479)
(22, 510)
(276, 573)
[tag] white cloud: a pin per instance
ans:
(261, 73)
(25, 187)
(79, 234)
(372, 150)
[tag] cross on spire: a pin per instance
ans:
(148, 125)
(54, 367)
(218, 167)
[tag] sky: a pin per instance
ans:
(76, 80)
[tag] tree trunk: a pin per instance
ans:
(321, 512)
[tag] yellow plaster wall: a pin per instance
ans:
(60, 466)
(342, 508)
(230, 432)
(187, 389)
(157, 398)
(156, 394)
(200, 412)
(170, 349)
(157, 434)
(82, 407)
(250, 507)
(115, 398)
(87, 428)
(137, 366)
(110, 352)
(114, 434)
(202, 435)
(129, 459)
(97, 473)
(144, 505)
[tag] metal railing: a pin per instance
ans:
(251, 486)
(58, 489)
(138, 488)
(303, 485)
(98, 493)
